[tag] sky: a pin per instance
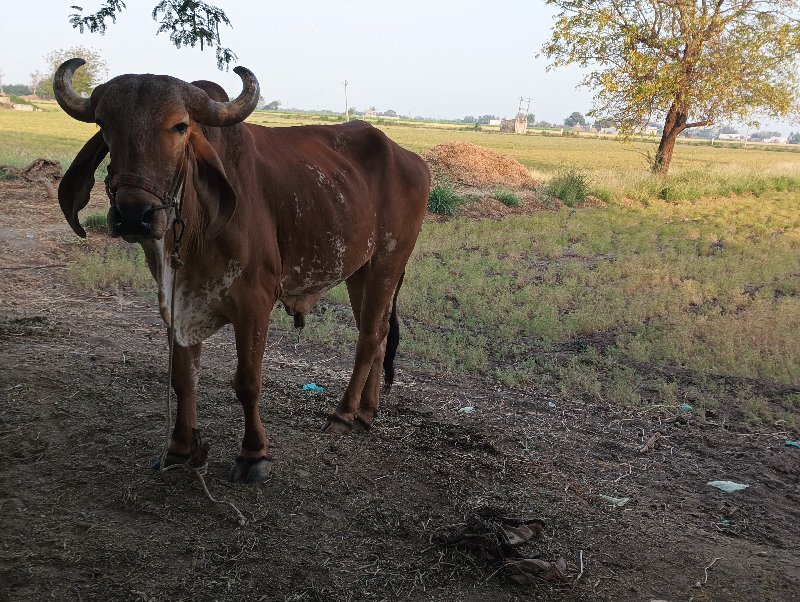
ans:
(435, 58)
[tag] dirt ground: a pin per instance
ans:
(82, 379)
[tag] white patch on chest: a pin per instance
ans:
(195, 319)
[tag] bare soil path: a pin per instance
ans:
(82, 380)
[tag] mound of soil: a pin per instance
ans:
(40, 169)
(473, 165)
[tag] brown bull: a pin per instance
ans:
(270, 214)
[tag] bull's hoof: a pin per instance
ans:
(336, 425)
(250, 470)
(362, 425)
(171, 459)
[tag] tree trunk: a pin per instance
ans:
(674, 124)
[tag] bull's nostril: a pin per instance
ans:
(147, 218)
(116, 217)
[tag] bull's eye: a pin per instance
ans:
(99, 123)
(180, 128)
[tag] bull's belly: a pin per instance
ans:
(324, 265)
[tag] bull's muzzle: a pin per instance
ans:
(136, 221)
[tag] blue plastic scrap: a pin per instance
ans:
(728, 486)
(792, 444)
(313, 388)
(619, 502)
(687, 407)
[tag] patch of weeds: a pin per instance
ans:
(579, 377)
(755, 408)
(111, 267)
(509, 198)
(571, 186)
(443, 199)
(666, 392)
(622, 386)
(603, 194)
(96, 222)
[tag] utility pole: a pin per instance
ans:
(521, 122)
(346, 108)
(527, 109)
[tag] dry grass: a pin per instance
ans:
(473, 165)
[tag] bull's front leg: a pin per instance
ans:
(185, 376)
(254, 461)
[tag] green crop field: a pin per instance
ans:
(685, 288)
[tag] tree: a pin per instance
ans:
(794, 138)
(188, 23)
(37, 77)
(530, 118)
(16, 89)
(574, 119)
(603, 122)
(468, 119)
(727, 129)
(765, 135)
(485, 119)
(94, 72)
(689, 62)
(272, 106)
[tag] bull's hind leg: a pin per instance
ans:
(368, 406)
(185, 376)
(370, 298)
(253, 463)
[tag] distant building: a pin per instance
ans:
(495, 122)
(612, 131)
(777, 140)
(371, 112)
(739, 137)
(650, 130)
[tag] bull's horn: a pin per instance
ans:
(73, 104)
(222, 114)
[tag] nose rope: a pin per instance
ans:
(178, 226)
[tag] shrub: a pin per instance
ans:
(571, 186)
(111, 268)
(96, 222)
(508, 197)
(443, 199)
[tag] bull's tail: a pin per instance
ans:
(392, 341)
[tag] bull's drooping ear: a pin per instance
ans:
(213, 189)
(77, 183)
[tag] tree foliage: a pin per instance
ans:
(187, 22)
(574, 119)
(16, 89)
(85, 78)
(689, 62)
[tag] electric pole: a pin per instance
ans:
(528, 108)
(346, 108)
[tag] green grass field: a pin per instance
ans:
(697, 274)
